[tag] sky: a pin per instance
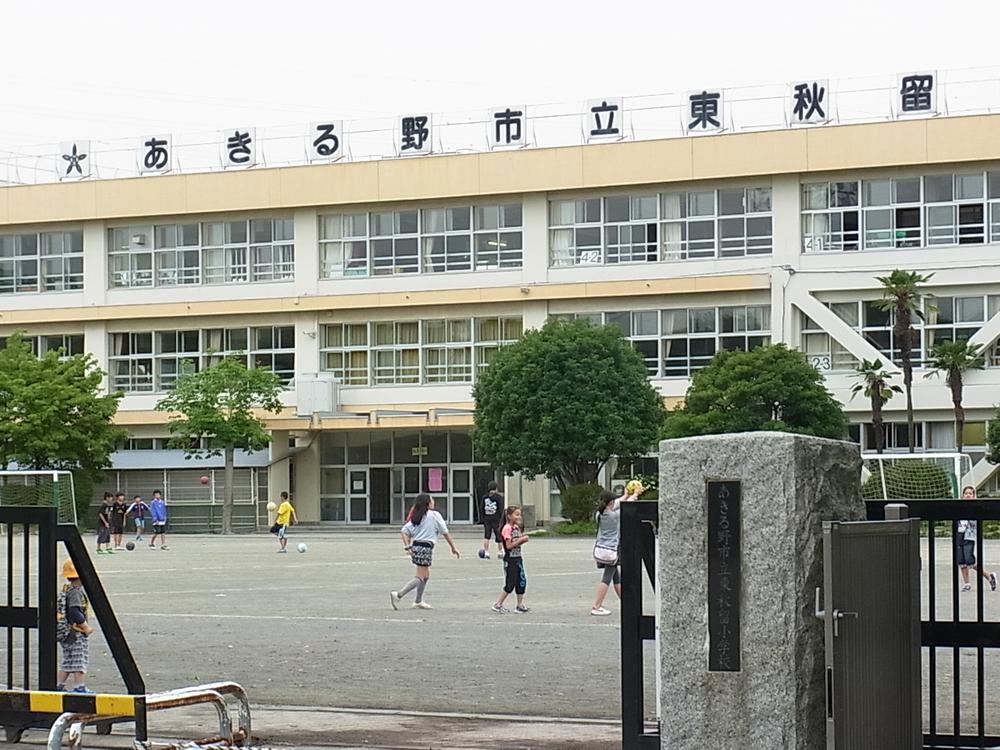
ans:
(113, 69)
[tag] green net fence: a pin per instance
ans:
(39, 488)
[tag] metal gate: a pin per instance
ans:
(872, 626)
(954, 621)
(639, 522)
(24, 611)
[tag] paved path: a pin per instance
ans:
(316, 630)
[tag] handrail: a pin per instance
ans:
(75, 722)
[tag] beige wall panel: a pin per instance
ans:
(148, 196)
(869, 145)
(531, 170)
(404, 422)
(225, 191)
(747, 154)
(455, 420)
(43, 203)
(330, 184)
(5, 205)
(963, 138)
(638, 162)
(400, 300)
(741, 155)
(428, 177)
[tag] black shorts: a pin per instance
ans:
(117, 528)
(159, 528)
(514, 578)
(103, 534)
(491, 528)
(967, 552)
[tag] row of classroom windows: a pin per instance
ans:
(673, 343)
(847, 215)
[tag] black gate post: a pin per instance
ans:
(47, 582)
(638, 532)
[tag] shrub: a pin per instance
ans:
(579, 501)
(580, 528)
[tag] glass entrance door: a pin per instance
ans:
(357, 497)
(380, 493)
(462, 498)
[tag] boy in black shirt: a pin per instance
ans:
(118, 511)
(104, 526)
(491, 513)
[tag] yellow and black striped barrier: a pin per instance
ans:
(45, 702)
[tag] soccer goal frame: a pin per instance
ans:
(958, 466)
(52, 488)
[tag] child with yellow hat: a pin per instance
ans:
(72, 631)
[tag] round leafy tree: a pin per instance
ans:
(563, 400)
(769, 388)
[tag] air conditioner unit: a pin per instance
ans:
(316, 393)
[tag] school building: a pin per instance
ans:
(380, 290)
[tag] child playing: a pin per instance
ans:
(286, 516)
(73, 631)
(967, 548)
(104, 526)
(138, 510)
(158, 512)
(513, 538)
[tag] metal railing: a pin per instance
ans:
(213, 693)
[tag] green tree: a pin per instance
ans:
(769, 388)
(54, 413)
(954, 358)
(218, 403)
(901, 295)
(874, 384)
(563, 400)
(993, 439)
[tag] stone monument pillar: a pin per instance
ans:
(741, 555)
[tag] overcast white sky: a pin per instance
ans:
(124, 68)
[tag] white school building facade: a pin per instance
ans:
(379, 290)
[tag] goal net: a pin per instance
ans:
(913, 476)
(52, 489)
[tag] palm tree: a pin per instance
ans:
(901, 298)
(876, 386)
(953, 358)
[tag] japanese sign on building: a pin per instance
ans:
(604, 120)
(73, 161)
(700, 111)
(703, 113)
(415, 135)
(239, 147)
(809, 103)
(325, 141)
(506, 127)
(917, 93)
(154, 154)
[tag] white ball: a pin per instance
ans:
(272, 506)
(302, 547)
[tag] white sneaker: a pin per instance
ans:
(422, 605)
(394, 599)
(600, 612)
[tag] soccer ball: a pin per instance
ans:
(130, 546)
(482, 554)
(272, 506)
(302, 547)
(203, 480)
